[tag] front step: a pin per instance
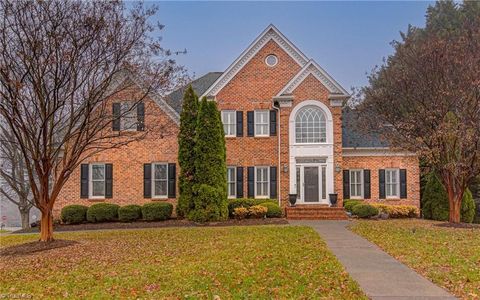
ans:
(315, 212)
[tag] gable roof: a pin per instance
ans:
(312, 68)
(270, 33)
(199, 85)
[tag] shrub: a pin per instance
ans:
(273, 210)
(240, 213)
(157, 211)
(102, 212)
(246, 202)
(209, 205)
(364, 210)
(397, 211)
(74, 214)
(435, 202)
(129, 213)
(349, 204)
(257, 211)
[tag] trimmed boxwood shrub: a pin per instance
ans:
(74, 214)
(247, 203)
(157, 211)
(273, 210)
(349, 204)
(364, 210)
(129, 213)
(102, 212)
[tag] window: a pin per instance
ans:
(160, 180)
(128, 121)
(356, 184)
(262, 122)
(271, 60)
(231, 182)
(391, 183)
(97, 181)
(299, 188)
(310, 125)
(261, 182)
(229, 122)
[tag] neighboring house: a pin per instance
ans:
(286, 133)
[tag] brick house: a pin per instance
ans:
(286, 133)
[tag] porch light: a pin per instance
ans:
(285, 168)
(338, 168)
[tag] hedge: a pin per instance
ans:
(273, 210)
(74, 214)
(129, 213)
(157, 211)
(102, 212)
(364, 210)
(398, 211)
(349, 204)
(246, 202)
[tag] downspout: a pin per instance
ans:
(275, 106)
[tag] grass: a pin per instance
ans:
(4, 231)
(448, 257)
(254, 262)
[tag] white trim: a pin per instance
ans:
(276, 60)
(314, 69)
(397, 189)
(234, 182)
(90, 181)
(234, 122)
(356, 152)
(362, 184)
(153, 180)
(270, 33)
(255, 122)
(268, 182)
(328, 123)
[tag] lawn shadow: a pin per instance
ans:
(34, 247)
(459, 225)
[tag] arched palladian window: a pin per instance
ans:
(310, 125)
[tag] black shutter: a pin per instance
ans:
(381, 183)
(366, 184)
(147, 181)
(273, 182)
(84, 181)
(403, 183)
(116, 110)
(346, 184)
(172, 178)
(251, 182)
(140, 116)
(239, 123)
(108, 180)
(239, 182)
(273, 122)
(250, 123)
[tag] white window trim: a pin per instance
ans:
(123, 115)
(153, 181)
(397, 190)
(268, 182)
(255, 122)
(234, 134)
(90, 181)
(361, 183)
(234, 182)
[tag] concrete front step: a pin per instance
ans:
(315, 212)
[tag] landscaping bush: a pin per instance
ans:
(349, 204)
(102, 212)
(257, 211)
(436, 206)
(157, 211)
(209, 205)
(240, 213)
(273, 210)
(246, 202)
(397, 211)
(74, 214)
(129, 213)
(364, 210)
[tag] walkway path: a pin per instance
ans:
(379, 275)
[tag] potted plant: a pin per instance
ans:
(292, 198)
(333, 199)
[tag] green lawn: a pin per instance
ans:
(231, 262)
(448, 257)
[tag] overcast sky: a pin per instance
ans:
(346, 38)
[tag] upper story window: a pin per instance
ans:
(271, 60)
(97, 181)
(310, 125)
(392, 186)
(262, 125)
(128, 116)
(229, 121)
(128, 121)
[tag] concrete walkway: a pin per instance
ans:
(379, 275)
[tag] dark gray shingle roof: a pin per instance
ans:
(354, 136)
(200, 85)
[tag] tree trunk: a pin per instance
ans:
(46, 226)
(455, 208)
(25, 217)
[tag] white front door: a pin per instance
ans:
(311, 183)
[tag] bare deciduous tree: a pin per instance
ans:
(60, 61)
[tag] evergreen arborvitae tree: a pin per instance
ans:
(186, 155)
(210, 190)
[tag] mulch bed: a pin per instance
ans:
(459, 225)
(32, 247)
(167, 223)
